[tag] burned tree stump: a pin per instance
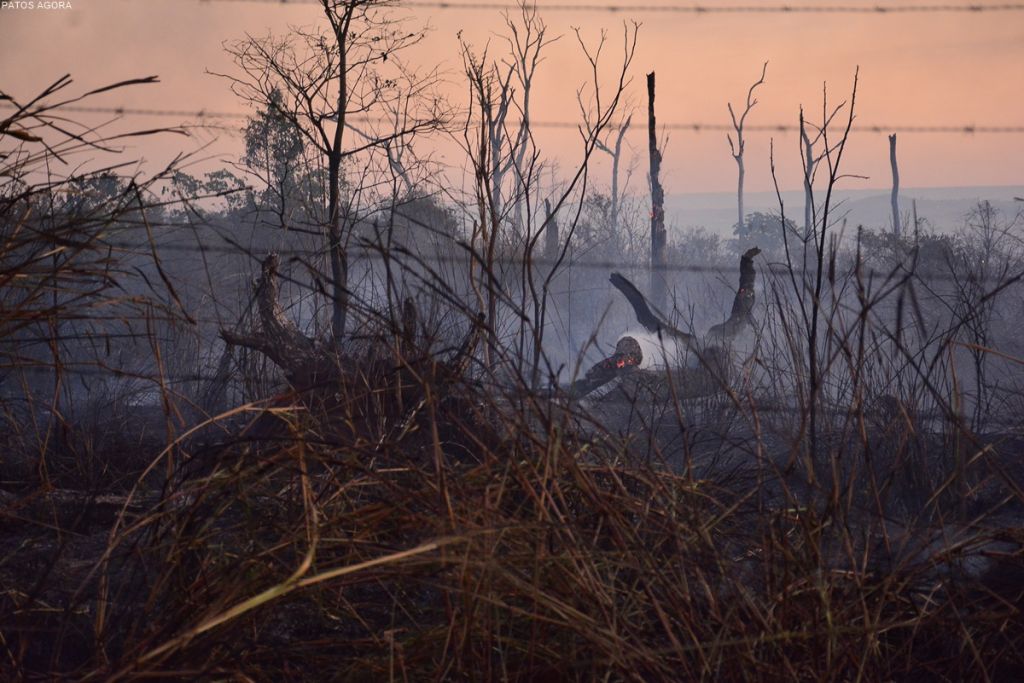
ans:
(741, 314)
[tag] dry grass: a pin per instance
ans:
(422, 518)
(486, 543)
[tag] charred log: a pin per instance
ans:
(627, 357)
(651, 321)
(714, 369)
(338, 378)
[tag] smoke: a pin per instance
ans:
(660, 353)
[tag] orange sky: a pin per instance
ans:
(917, 69)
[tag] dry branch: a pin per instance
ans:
(304, 361)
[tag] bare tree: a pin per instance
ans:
(491, 97)
(809, 162)
(613, 150)
(505, 85)
(326, 76)
(739, 146)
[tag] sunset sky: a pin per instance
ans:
(915, 69)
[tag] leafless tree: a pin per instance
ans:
(614, 150)
(502, 88)
(485, 141)
(349, 68)
(739, 146)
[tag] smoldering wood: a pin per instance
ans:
(651, 321)
(712, 352)
(741, 314)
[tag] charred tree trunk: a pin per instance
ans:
(658, 235)
(551, 237)
(652, 321)
(895, 198)
(741, 314)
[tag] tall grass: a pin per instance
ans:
(429, 514)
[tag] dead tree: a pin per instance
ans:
(895, 198)
(525, 45)
(809, 163)
(487, 86)
(613, 150)
(740, 316)
(739, 146)
(659, 237)
(324, 75)
(500, 88)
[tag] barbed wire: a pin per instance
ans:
(878, 9)
(517, 260)
(696, 126)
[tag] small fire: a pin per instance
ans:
(626, 361)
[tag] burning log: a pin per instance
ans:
(627, 357)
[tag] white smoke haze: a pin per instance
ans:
(660, 353)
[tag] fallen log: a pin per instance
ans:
(657, 323)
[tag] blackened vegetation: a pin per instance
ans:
(403, 501)
(741, 313)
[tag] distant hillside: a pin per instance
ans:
(943, 207)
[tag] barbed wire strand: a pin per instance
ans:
(579, 263)
(697, 127)
(878, 9)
